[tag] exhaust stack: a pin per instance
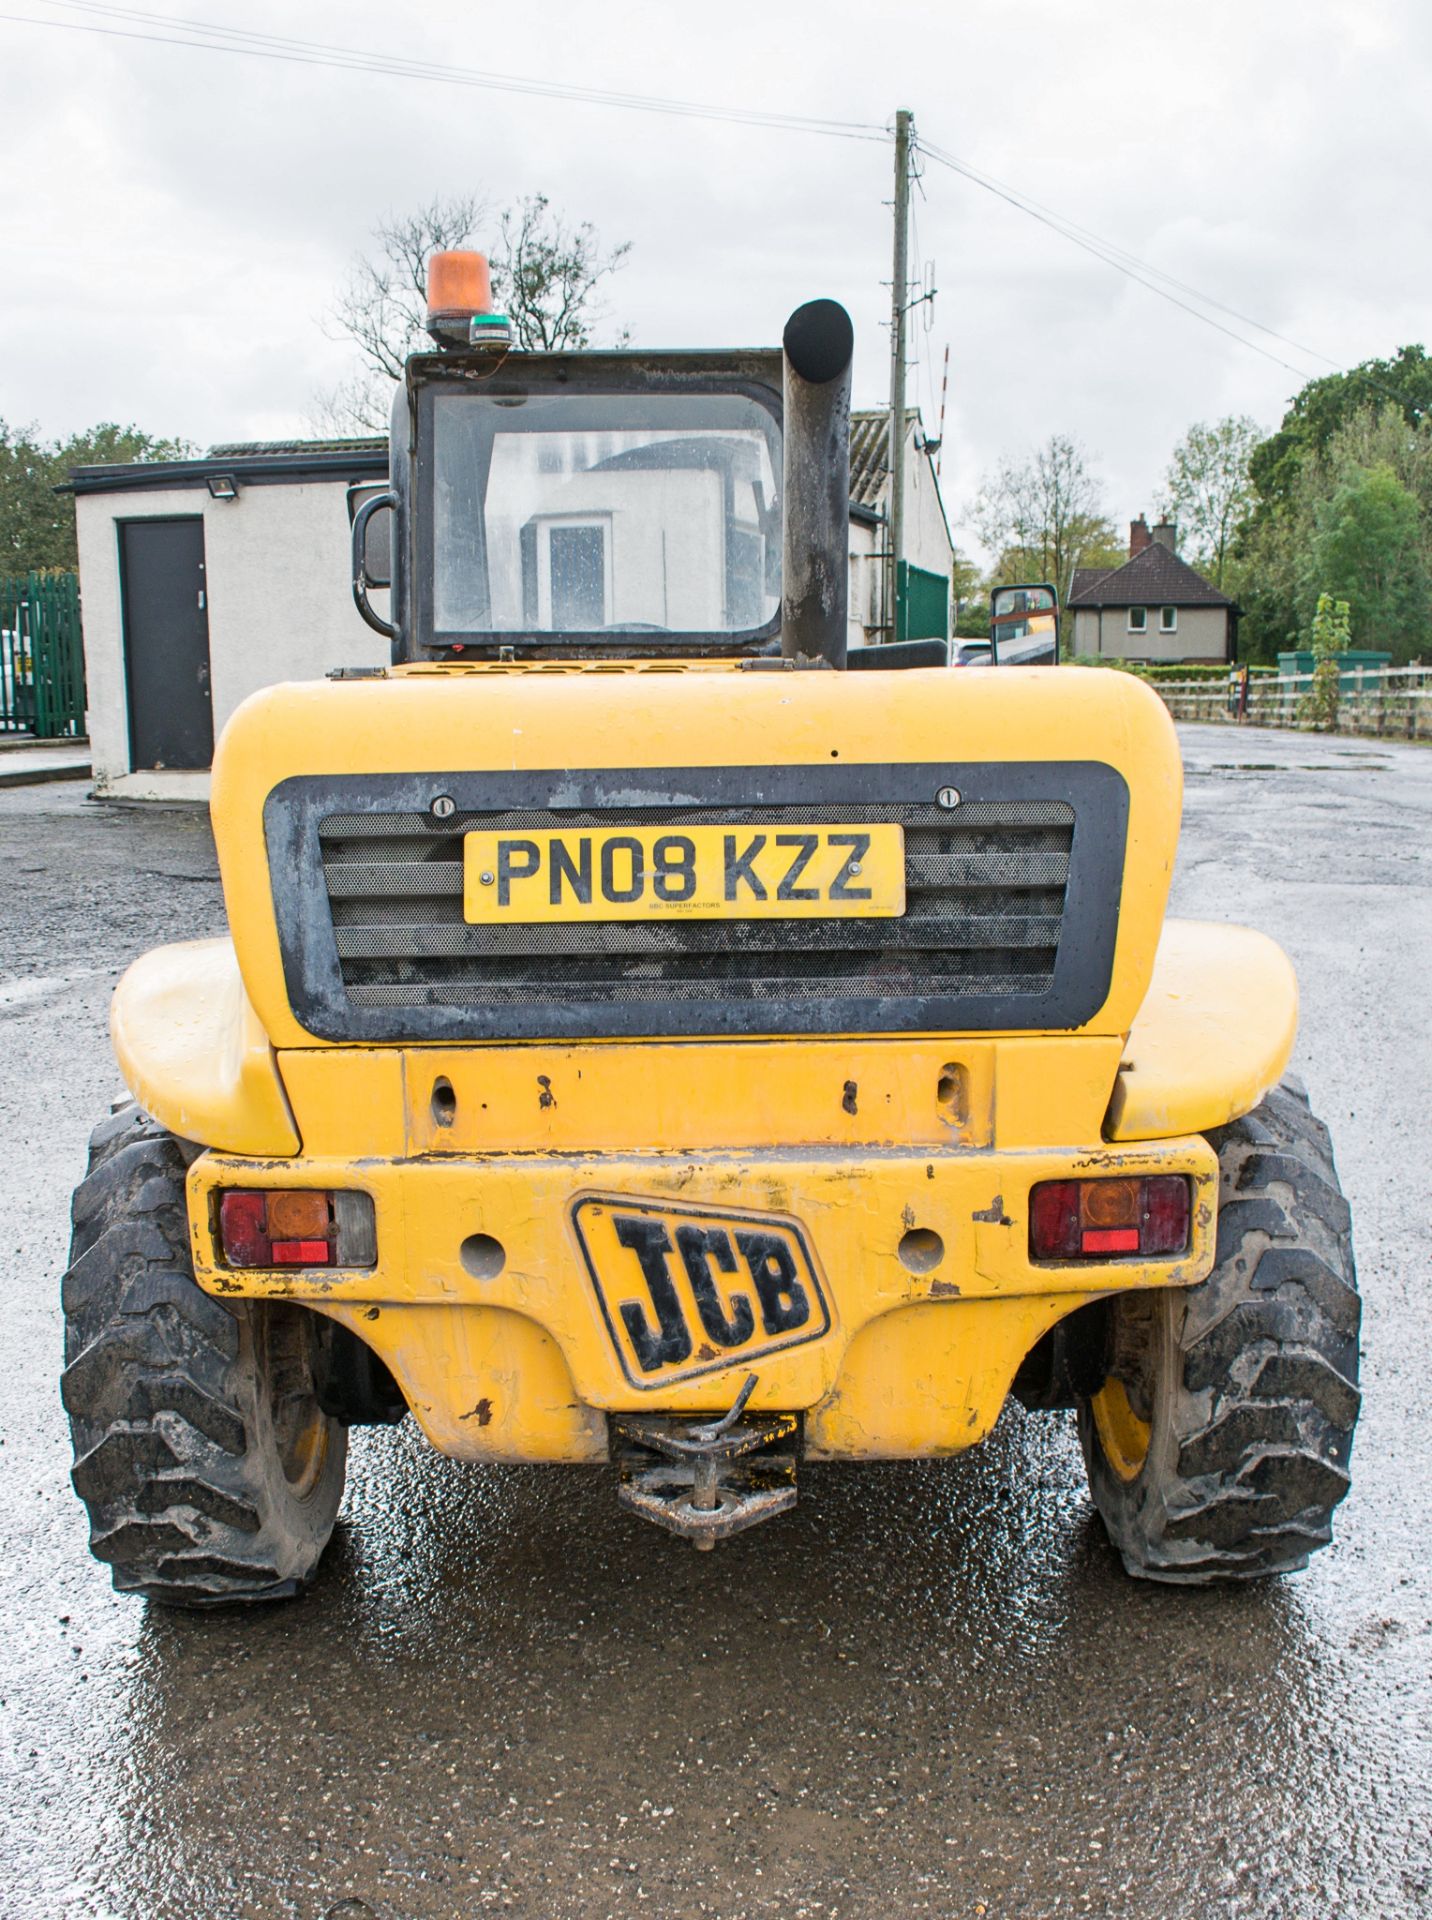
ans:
(815, 569)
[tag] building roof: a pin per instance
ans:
(1156, 577)
(261, 461)
(241, 449)
(1085, 577)
(869, 456)
(254, 463)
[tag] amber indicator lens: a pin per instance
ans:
(300, 1213)
(1103, 1219)
(1109, 1203)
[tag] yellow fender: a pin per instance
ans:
(193, 1053)
(1212, 1037)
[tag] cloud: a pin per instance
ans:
(178, 220)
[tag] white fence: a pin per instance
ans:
(1392, 701)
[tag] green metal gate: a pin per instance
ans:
(922, 604)
(42, 661)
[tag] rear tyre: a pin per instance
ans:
(1218, 1441)
(210, 1473)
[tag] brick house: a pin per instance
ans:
(1152, 608)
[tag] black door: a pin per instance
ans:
(166, 643)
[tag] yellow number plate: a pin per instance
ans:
(685, 873)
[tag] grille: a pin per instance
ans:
(986, 887)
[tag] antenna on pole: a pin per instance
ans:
(899, 307)
(940, 435)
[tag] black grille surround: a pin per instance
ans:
(1012, 903)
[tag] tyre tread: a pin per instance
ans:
(159, 1387)
(1265, 1398)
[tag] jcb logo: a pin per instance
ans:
(686, 1291)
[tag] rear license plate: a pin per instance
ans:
(685, 873)
(690, 1290)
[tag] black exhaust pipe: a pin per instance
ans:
(815, 568)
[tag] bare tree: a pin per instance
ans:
(545, 275)
(1044, 516)
(548, 274)
(1207, 489)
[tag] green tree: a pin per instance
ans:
(1273, 571)
(1207, 490)
(969, 598)
(1331, 636)
(1326, 404)
(1367, 549)
(1332, 628)
(37, 524)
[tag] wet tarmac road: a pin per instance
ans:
(930, 1690)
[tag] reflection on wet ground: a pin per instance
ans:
(929, 1690)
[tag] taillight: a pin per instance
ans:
(1101, 1219)
(296, 1227)
(243, 1229)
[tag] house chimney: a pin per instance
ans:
(1138, 536)
(1166, 534)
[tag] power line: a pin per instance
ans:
(1062, 223)
(211, 37)
(1148, 276)
(1109, 255)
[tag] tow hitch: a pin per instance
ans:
(709, 1480)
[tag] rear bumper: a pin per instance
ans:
(910, 1353)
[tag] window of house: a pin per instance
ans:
(1168, 619)
(1138, 619)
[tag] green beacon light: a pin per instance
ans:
(492, 331)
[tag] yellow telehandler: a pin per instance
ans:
(652, 1037)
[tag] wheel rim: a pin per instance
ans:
(1123, 1407)
(1122, 1434)
(300, 1427)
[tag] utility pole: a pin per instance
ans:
(899, 307)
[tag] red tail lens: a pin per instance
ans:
(302, 1253)
(243, 1229)
(1054, 1220)
(287, 1227)
(1100, 1219)
(1109, 1240)
(1166, 1214)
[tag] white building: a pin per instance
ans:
(929, 551)
(203, 580)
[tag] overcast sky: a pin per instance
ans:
(173, 222)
